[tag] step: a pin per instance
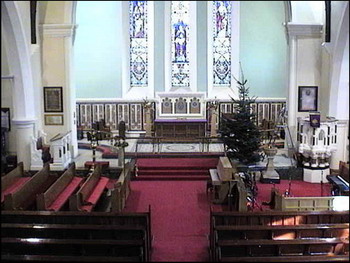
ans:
(170, 167)
(160, 177)
(177, 163)
(173, 172)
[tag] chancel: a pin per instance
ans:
(189, 131)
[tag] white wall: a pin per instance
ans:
(308, 11)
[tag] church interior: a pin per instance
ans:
(188, 131)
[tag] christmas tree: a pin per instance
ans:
(239, 132)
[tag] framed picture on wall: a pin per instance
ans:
(307, 98)
(53, 100)
(53, 119)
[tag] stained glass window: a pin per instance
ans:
(138, 44)
(222, 43)
(180, 66)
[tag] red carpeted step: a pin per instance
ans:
(176, 163)
(174, 172)
(174, 177)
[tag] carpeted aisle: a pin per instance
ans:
(180, 217)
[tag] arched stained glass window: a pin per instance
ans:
(138, 44)
(222, 43)
(180, 65)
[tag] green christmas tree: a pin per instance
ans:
(239, 132)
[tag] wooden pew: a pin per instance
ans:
(12, 181)
(89, 193)
(279, 217)
(23, 198)
(58, 194)
(67, 231)
(80, 225)
(276, 250)
(286, 203)
(121, 189)
(77, 249)
(280, 232)
(275, 226)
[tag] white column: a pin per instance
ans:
(295, 32)
(59, 72)
(24, 132)
(71, 115)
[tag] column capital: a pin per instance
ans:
(58, 30)
(310, 30)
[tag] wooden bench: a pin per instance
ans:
(121, 189)
(13, 181)
(89, 193)
(279, 217)
(85, 231)
(331, 247)
(89, 164)
(25, 197)
(65, 225)
(50, 258)
(281, 232)
(73, 247)
(227, 229)
(58, 194)
(286, 203)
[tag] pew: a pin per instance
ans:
(89, 193)
(121, 189)
(275, 236)
(75, 248)
(12, 181)
(25, 197)
(286, 203)
(58, 194)
(75, 236)
(280, 232)
(234, 251)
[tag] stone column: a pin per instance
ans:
(57, 58)
(24, 134)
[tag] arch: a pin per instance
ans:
(20, 65)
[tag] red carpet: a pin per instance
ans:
(180, 210)
(180, 217)
(175, 168)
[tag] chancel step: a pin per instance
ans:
(174, 168)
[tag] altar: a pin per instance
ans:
(180, 128)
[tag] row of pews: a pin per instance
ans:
(44, 236)
(46, 191)
(50, 217)
(273, 236)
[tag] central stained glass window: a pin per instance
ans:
(222, 43)
(180, 65)
(138, 44)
